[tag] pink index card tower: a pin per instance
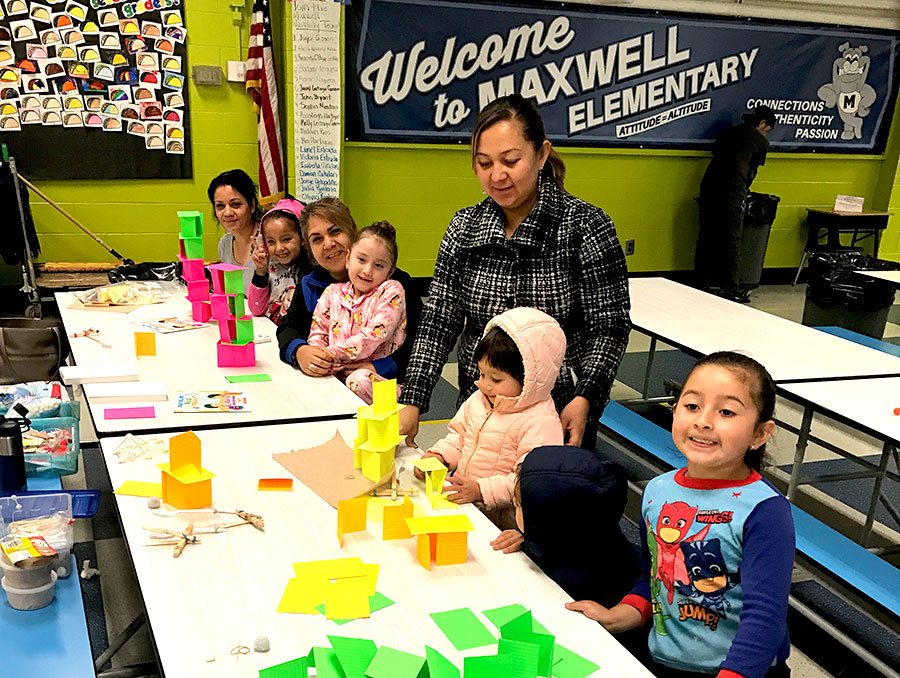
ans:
(235, 347)
(191, 258)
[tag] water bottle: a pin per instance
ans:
(12, 456)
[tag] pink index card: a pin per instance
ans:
(129, 413)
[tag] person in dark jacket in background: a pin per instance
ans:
(737, 154)
(328, 231)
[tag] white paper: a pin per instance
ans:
(126, 392)
(98, 374)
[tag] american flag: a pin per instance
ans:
(263, 88)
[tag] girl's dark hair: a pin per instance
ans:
(330, 209)
(762, 390)
(387, 233)
(517, 107)
(241, 182)
(501, 353)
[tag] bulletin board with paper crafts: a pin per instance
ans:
(95, 89)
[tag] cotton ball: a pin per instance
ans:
(261, 644)
(210, 657)
(154, 502)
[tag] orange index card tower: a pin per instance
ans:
(378, 432)
(435, 472)
(185, 483)
(442, 539)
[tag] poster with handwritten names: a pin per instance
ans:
(317, 97)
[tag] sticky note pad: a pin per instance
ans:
(463, 629)
(246, 378)
(129, 413)
(567, 664)
(136, 488)
(391, 663)
(144, 343)
(275, 484)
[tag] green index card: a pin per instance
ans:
(520, 628)
(193, 247)
(354, 654)
(243, 331)
(570, 665)
(463, 629)
(327, 663)
(438, 665)
(524, 655)
(501, 615)
(491, 666)
(191, 223)
(234, 281)
(245, 378)
(295, 668)
(376, 602)
(391, 663)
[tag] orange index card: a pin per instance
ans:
(347, 598)
(452, 548)
(394, 520)
(136, 488)
(144, 343)
(423, 550)
(275, 484)
(300, 598)
(351, 517)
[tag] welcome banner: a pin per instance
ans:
(422, 69)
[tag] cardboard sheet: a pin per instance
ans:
(328, 471)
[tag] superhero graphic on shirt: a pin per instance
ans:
(710, 579)
(672, 527)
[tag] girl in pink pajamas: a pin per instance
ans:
(363, 319)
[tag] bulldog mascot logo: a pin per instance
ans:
(848, 89)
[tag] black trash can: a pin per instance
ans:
(837, 296)
(759, 215)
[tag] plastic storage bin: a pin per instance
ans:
(29, 506)
(30, 599)
(57, 462)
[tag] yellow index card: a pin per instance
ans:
(300, 598)
(347, 598)
(318, 573)
(440, 524)
(393, 520)
(427, 464)
(351, 517)
(144, 343)
(136, 488)
(435, 472)
(384, 397)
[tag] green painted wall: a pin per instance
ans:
(649, 194)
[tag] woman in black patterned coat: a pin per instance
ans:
(529, 243)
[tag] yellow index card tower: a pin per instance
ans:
(378, 432)
(442, 539)
(185, 483)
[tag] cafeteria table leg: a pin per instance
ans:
(876, 493)
(800, 452)
(650, 356)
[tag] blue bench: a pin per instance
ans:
(645, 434)
(861, 570)
(857, 338)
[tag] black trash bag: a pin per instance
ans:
(760, 208)
(146, 270)
(832, 281)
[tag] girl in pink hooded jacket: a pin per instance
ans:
(510, 414)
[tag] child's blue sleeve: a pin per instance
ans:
(766, 566)
(642, 585)
(385, 367)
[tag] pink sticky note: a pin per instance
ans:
(129, 413)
